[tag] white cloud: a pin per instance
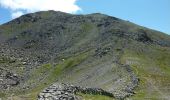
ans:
(17, 14)
(17, 6)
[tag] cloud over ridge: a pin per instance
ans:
(19, 7)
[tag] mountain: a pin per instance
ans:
(102, 57)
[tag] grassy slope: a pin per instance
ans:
(53, 72)
(152, 67)
(151, 64)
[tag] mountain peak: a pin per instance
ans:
(96, 53)
(49, 20)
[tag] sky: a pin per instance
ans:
(154, 14)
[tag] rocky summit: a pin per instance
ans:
(51, 55)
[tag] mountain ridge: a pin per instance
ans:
(93, 50)
(35, 16)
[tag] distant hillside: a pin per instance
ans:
(91, 51)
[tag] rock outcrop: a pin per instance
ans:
(8, 79)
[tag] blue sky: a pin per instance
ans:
(154, 14)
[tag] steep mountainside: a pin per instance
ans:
(88, 51)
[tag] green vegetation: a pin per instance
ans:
(10, 29)
(153, 71)
(68, 64)
(93, 97)
(6, 60)
(50, 76)
(84, 50)
(86, 27)
(2, 94)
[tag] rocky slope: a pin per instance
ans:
(94, 51)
